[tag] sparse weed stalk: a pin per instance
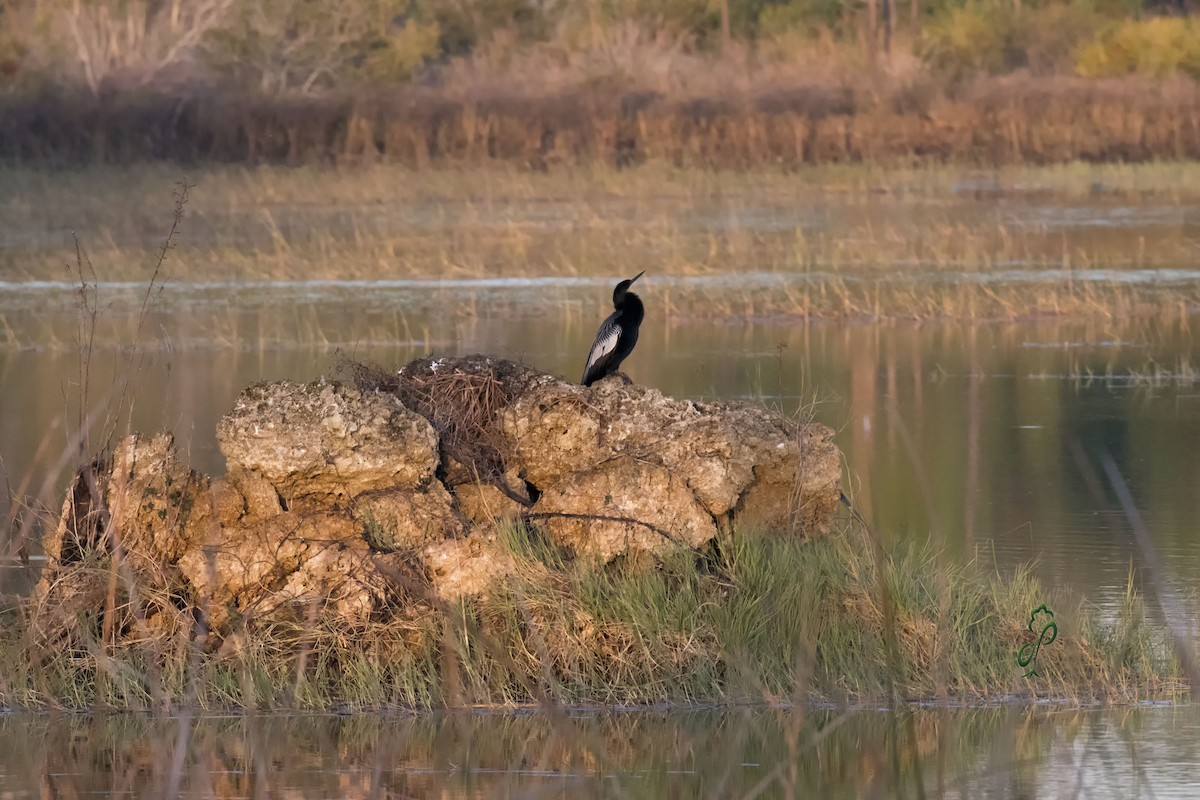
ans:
(31, 509)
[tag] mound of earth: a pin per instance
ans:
(383, 489)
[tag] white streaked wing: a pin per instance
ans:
(606, 342)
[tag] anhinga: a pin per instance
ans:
(618, 334)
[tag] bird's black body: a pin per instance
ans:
(617, 336)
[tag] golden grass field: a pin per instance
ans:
(840, 241)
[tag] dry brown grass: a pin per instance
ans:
(462, 399)
(463, 406)
(853, 242)
(763, 119)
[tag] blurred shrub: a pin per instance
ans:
(118, 44)
(1158, 46)
(12, 46)
(1050, 35)
(12, 53)
(748, 19)
(401, 51)
(972, 39)
(283, 45)
(699, 19)
(996, 37)
(464, 24)
(310, 45)
(810, 17)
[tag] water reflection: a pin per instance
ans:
(992, 752)
(998, 425)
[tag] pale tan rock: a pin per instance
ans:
(407, 519)
(743, 464)
(260, 499)
(663, 513)
(245, 569)
(342, 578)
(158, 505)
(229, 505)
(327, 440)
(484, 504)
(345, 501)
(796, 491)
(470, 566)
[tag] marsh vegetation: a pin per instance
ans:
(759, 618)
(724, 84)
(857, 242)
(981, 340)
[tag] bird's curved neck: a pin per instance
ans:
(630, 306)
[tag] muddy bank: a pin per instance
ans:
(368, 494)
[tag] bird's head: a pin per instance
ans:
(623, 287)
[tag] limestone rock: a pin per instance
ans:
(741, 463)
(241, 568)
(359, 500)
(485, 504)
(797, 489)
(406, 519)
(259, 498)
(470, 566)
(344, 578)
(658, 511)
(158, 505)
(327, 440)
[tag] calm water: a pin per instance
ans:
(980, 753)
(986, 438)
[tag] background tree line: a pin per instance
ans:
(313, 46)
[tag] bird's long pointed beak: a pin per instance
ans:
(635, 277)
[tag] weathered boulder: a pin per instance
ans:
(255, 568)
(327, 441)
(156, 505)
(408, 519)
(737, 461)
(485, 504)
(470, 566)
(622, 506)
(363, 496)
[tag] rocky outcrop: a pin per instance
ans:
(389, 488)
(688, 468)
(325, 443)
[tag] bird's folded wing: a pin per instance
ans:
(606, 342)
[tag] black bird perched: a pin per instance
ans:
(618, 334)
